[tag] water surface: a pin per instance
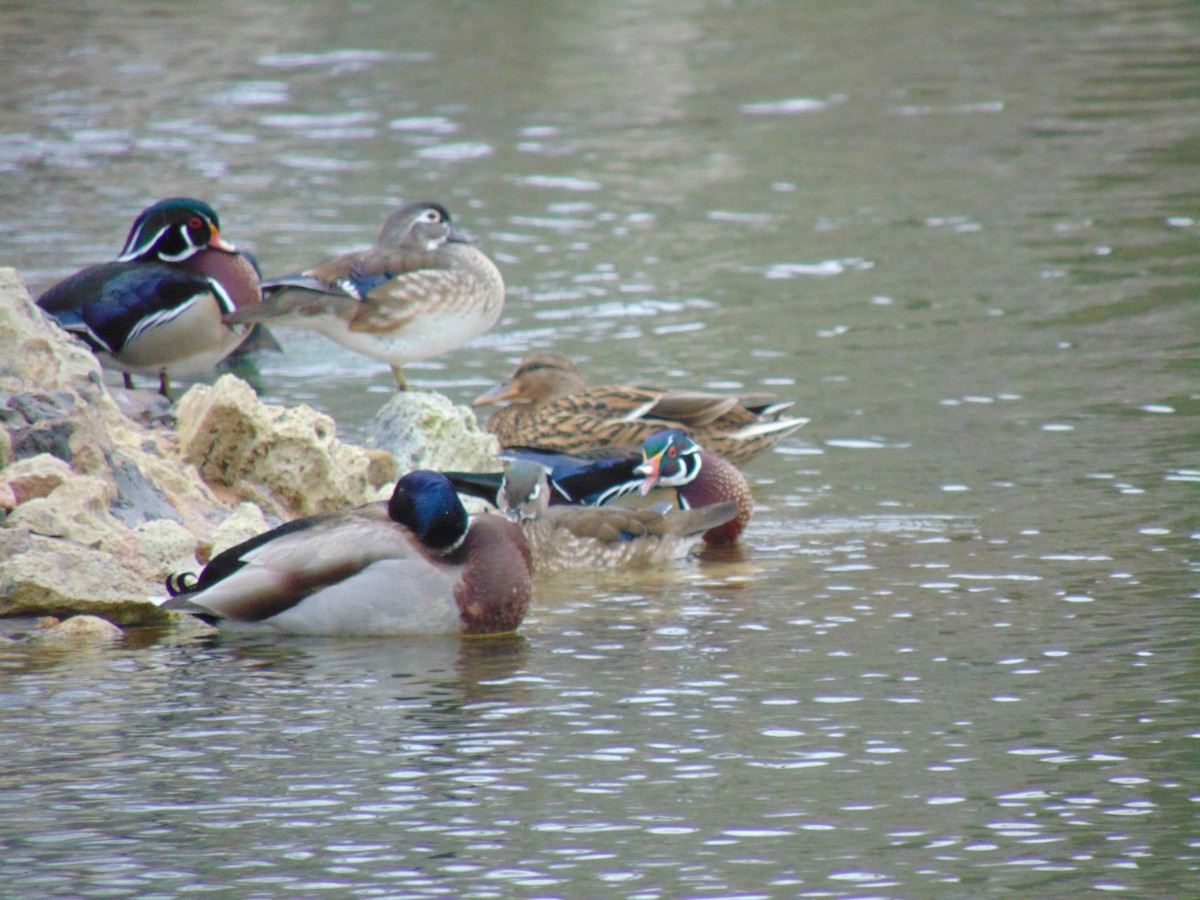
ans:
(956, 654)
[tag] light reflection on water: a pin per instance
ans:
(433, 766)
(955, 652)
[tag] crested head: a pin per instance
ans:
(426, 503)
(525, 489)
(172, 230)
(670, 458)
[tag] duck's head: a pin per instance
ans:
(670, 458)
(540, 377)
(525, 490)
(172, 230)
(420, 226)
(426, 503)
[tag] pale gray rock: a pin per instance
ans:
(426, 431)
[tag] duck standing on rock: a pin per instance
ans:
(159, 309)
(599, 537)
(422, 290)
(416, 564)
(551, 407)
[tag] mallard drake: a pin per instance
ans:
(414, 564)
(599, 537)
(159, 308)
(551, 407)
(420, 291)
(671, 459)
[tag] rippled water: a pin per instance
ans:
(956, 654)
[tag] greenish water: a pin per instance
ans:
(957, 653)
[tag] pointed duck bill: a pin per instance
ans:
(219, 243)
(502, 391)
(651, 471)
(457, 235)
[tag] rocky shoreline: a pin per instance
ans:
(105, 493)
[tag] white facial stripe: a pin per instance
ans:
(189, 249)
(138, 245)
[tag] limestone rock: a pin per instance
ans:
(35, 476)
(245, 522)
(163, 548)
(100, 499)
(427, 431)
(76, 509)
(51, 576)
(288, 461)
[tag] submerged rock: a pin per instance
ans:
(80, 630)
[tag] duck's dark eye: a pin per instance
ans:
(195, 223)
(672, 451)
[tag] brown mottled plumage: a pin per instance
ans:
(597, 537)
(422, 290)
(551, 407)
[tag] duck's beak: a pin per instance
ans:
(219, 243)
(651, 471)
(457, 235)
(502, 391)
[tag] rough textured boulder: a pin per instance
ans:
(427, 431)
(288, 461)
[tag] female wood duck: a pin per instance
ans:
(158, 309)
(415, 564)
(598, 537)
(671, 459)
(422, 290)
(551, 407)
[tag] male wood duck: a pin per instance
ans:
(158, 309)
(598, 537)
(671, 468)
(416, 564)
(550, 406)
(671, 459)
(572, 480)
(422, 290)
